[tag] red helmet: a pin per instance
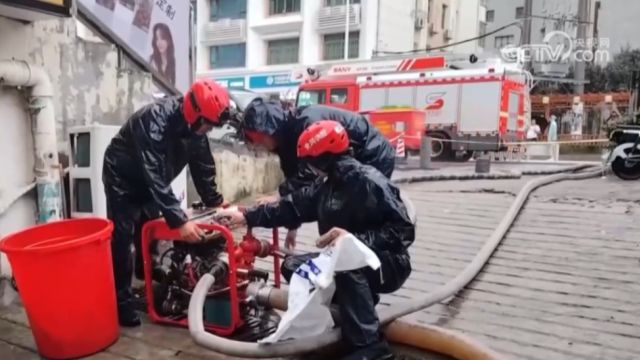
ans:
(207, 100)
(323, 137)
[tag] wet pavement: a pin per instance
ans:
(563, 285)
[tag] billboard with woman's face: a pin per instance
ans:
(155, 32)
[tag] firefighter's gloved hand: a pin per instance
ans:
(330, 236)
(191, 232)
(231, 217)
(290, 239)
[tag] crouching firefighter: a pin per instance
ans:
(150, 150)
(269, 125)
(354, 198)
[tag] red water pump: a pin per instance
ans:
(173, 267)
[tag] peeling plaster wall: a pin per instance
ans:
(88, 87)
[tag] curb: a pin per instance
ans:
(445, 177)
(489, 176)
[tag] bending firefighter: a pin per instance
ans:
(151, 149)
(354, 198)
(269, 125)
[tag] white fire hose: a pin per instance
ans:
(386, 315)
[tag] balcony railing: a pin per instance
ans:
(225, 31)
(332, 18)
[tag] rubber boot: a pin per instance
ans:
(128, 316)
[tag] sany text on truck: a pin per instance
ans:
(476, 109)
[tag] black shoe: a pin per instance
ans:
(139, 299)
(128, 316)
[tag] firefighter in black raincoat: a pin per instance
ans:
(268, 125)
(150, 150)
(354, 198)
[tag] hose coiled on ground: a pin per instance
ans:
(387, 315)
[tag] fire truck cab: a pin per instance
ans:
(469, 110)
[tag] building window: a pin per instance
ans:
(283, 51)
(482, 29)
(227, 56)
(519, 12)
(228, 9)
(277, 7)
(444, 15)
(311, 97)
(491, 14)
(340, 2)
(338, 96)
(334, 46)
(502, 41)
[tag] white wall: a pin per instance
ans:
(369, 28)
(396, 27)
(256, 47)
(469, 14)
(202, 52)
(311, 41)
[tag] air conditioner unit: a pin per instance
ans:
(447, 35)
(419, 23)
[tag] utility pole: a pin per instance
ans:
(346, 31)
(580, 66)
(526, 29)
(596, 33)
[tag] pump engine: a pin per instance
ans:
(173, 267)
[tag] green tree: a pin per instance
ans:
(620, 69)
(598, 78)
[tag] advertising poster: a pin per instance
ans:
(156, 31)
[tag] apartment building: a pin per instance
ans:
(547, 16)
(255, 44)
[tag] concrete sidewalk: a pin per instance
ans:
(454, 219)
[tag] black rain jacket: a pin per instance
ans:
(355, 197)
(369, 145)
(151, 149)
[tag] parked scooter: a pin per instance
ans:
(625, 156)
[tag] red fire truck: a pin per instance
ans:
(467, 110)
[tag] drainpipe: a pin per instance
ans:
(40, 106)
(47, 168)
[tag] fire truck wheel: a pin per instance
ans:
(440, 150)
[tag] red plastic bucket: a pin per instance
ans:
(64, 274)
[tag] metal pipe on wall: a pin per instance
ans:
(40, 106)
(47, 167)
